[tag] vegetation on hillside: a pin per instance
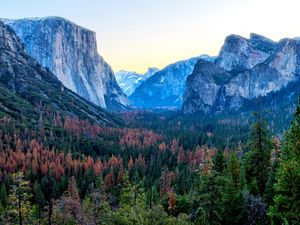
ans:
(64, 170)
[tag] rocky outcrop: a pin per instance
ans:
(129, 81)
(204, 86)
(250, 69)
(166, 87)
(24, 84)
(70, 52)
(239, 54)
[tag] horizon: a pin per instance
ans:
(141, 34)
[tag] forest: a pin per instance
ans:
(157, 168)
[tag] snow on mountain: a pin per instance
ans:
(166, 87)
(129, 81)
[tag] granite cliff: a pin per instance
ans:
(245, 70)
(70, 53)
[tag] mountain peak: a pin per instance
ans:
(46, 19)
(244, 70)
(70, 53)
(262, 43)
(129, 81)
(239, 53)
(23, 79)
(151, 71)
(254, 36)
(166, 87)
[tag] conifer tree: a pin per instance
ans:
(257, 164)
(234, 171)
(39, 200)
(211, 199)
(4, 214)
(219, 162)
(286, 208)
(3, 195)
(19, 205)
(232, 192)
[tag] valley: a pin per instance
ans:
(207, 140)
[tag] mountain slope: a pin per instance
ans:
(70, 52)
(166, 87)
(26, 84)
(129, 81)
(239, 54)
(253, 72)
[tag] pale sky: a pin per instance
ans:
(137, 34)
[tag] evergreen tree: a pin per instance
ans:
(39, 200)
(234, 171)
(4, 214)
(48, 186)
(219, 163)
(157, 215)
(257, 164)
(20, 209)
(286, 208)
(232, 193)
(183, 179)
(211, 199)
(3, 195)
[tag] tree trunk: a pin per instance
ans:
(20, 212)
(50, 212)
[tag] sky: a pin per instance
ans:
(136, 34)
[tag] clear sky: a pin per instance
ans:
(136, 34)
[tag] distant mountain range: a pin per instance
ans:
(245, 72)
(166, 87)
(59, 60)
(70, 53)
(129, 81)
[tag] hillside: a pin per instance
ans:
(26, 83)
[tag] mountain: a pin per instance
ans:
(129, 81)
(26, 86)
(70, 52)
(166, 87)
(239, 54)
(245, 71)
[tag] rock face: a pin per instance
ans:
(245, 70)
(70, 52)
(205, 85)
(239, 54)
(166, 87)
(129, 81)
(26, 84)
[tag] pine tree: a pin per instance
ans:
(39, 200)
(234, 171)
(19, 204)
(4, 213)
(286, 208)
(257, 164)
(3, 195)
(219, 163)
(211, 199)
(232, 192)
